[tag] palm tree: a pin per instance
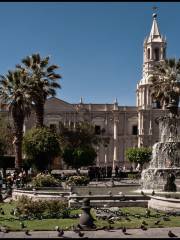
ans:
(43, 82)
(13, 93)
(166, 83)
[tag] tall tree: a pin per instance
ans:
(13, 92)
(166, 83)
(41, 145)
(43, 82)
(139, 155)
(78, 145)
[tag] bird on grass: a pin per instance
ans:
(127, 218)
(157, 222)
(144, 223)
(171, 234)
(143, 227)
(166, 218)
(12, 212)
(22, 225)
(148, 212)
(110, 221)
(2, 211)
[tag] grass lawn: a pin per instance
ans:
(135, 215)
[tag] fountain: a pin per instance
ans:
(165, 163)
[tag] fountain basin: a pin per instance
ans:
(164, 204)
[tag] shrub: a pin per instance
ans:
(45, 180)
(41, 145)
(56, 208)
(133, 176)
(78, 180)
(27, 208)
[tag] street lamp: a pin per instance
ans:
(97, 158)
(105, 158)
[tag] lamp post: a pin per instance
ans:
(97, 158)
(105, 158)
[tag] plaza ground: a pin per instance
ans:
(131, 233)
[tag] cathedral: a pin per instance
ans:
(123, 126)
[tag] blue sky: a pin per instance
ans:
(99, 46)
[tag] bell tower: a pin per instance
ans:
(154, 52)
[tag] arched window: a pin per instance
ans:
(148, 55)
(156, 54)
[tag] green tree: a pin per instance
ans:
(6, 137)
(78, 157)
(165, 86)
(13, 93)
(139, 155)
(42, 82)
(78, 145)
(40, 146)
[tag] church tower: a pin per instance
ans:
(154, 52)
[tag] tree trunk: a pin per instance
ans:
(39, 110)
(18, 117)
(18, 153)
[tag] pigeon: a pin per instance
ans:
(81, 234)
(79, 226)
(148, 212)
(153, 193)
(60, 233)
(144, 223)
(143, 227)
(90, 193)
(27, 232)
(2, 212)
(110, 221)
(56, 228)
(22, 225)
(12, 212)
(166, 218)
(124, 230)
(157, 222)
(128, 219)
(171, 234)
(142, 193)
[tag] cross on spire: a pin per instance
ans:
(154, 8)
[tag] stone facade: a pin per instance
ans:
(126, 126)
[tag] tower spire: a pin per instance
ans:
(154, 29)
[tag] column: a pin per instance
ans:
(74, 121)
(115, 137)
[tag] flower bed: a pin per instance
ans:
(78, 180)
(45, 180)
